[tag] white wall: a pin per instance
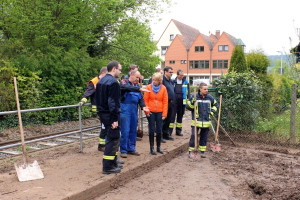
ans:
(165, 38)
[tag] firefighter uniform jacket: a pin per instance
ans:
(205, 106)
(182, 89)
(91, 89)
(108, 98)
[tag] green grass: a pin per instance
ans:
(279, 125)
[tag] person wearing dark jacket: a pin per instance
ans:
(132, 67)
(129, 108)
(206, 105)
(90, 93)
(108, 106)
(168, 83)
(181, 89)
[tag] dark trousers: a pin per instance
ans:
(179, 111)
(112, 144)
(203, 138)
(155, 125)
(167, 121)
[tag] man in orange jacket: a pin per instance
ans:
(90, 93)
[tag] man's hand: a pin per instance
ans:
(148, 114)
(146, 109)
(163, 118)
(115, 125)
(144, 90)
(83, 101)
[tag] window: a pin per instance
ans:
(215, 64)
(172, 62)
(215, 77)
(207, 64)
(199, 48)
(225, 64)
(223, 47)
(191, 64)
(163, 50)
(220, 64)
(204, 77)
(201, 64)
(196, 64)
(220, 48)
(172, 37)
(191, 80)
(183, 62)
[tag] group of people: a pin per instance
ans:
(164, 100)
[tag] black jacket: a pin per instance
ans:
(108, 97)
(170, 88)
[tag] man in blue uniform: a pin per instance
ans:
(129, 109)
(108, 106)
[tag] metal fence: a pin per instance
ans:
(53, 108)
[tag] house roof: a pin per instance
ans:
(230, 37)
(210, 41)
(188, 33)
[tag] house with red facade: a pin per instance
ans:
(199, 56)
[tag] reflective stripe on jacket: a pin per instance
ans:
(205, 106)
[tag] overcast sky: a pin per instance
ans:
(261, 24)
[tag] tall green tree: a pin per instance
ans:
(257, 61)
(59, 45)
(133, 44)
(238, 60)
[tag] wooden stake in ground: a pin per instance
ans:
(26, 171)
(216, 146)
(194, 155)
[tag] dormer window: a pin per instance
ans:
(171, 37)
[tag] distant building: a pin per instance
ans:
(199, 56)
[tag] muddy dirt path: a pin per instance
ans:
(180, 179)
(244, 172)
(234, 173)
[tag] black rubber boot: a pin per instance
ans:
(158, 142)
(151, 140)
(178, 132)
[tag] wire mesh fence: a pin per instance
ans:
(265, 120)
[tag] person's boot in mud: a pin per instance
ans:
(151, 140)
(158, 142)
(178, 132)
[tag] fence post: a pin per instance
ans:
(293, 114)
(80, 128)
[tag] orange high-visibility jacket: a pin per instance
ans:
(157, 102)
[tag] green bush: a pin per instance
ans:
(242, 93)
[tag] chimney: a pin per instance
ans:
(218, 34)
